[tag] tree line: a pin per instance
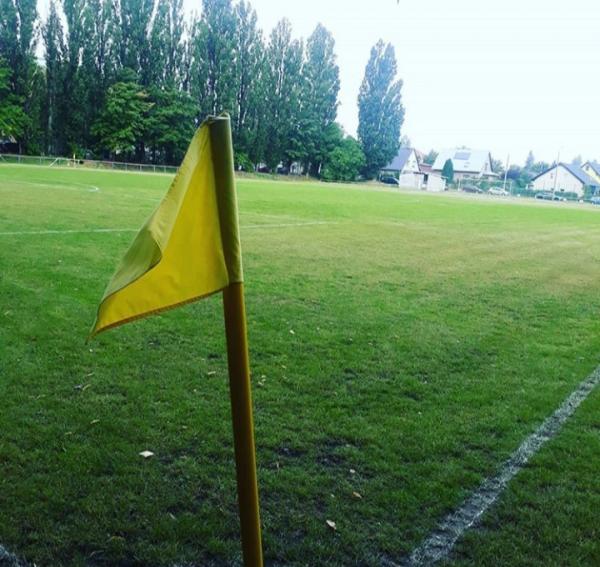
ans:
(130, 80)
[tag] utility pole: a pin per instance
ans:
(506, 172)
(556, 173)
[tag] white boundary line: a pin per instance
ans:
(97, 230)
(441, 541)
(74, 185)
(82, 231)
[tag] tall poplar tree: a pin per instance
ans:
(319, 101)
(213, 75)
(247, 112)
(380, 111)
(166, 44)
(283, 90)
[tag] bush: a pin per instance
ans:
(344, 162)
(243, 162)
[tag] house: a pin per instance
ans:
(592, 168)
(432, 181)
(466, 163)
(405, 168)
(566, 178)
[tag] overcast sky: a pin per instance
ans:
(503, 75)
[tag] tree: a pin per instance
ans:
(577, 160)
(123, 120)
(380, 111)
(539, 167)
(282, 89)
(249, 96)
(320, 86)
(405, 142)
(529, 161)
(52, 32)
(12, 117)
(166, 44)
(498, 166)
(430, 157)
(17, 49)
(170, 125)
(344, 162)
(213, 73)
(448, 171)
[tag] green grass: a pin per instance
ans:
(415, 340)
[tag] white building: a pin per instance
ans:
(466, 163)
(405, 168)
(592, 168)
(564, 178)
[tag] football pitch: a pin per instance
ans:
(403, 345)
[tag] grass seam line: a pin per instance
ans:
(439, 544)
(100, 230)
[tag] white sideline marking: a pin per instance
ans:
(95, 230)
(75, 186)
(83, 231)
(441, 541)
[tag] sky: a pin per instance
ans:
(504, 75)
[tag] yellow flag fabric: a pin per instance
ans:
(190, 247)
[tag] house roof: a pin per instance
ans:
(594, 165)
(463, 160)
(574, 170)
(398, 163)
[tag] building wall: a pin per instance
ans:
(411, 165)
(435, 183)
(566, 181)
(410, 180)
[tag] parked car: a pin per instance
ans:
(544, 196)
(498, 192)
(389, 179)
(595, 200)
(471, 189)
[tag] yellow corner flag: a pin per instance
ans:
(190, 247)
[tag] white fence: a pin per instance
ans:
(86, 163)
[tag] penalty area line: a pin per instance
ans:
(439, 544)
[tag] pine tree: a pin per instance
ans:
(380, 111)
(529, 161)
(448, 171)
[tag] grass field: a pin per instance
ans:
(402, 345)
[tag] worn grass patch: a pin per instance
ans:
(402, 352)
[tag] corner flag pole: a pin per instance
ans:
(243, 426)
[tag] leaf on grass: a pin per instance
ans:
(357, 495)
(211, 372)
(292, 332)
(331, 524)
(352, 471)
(146, 454)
